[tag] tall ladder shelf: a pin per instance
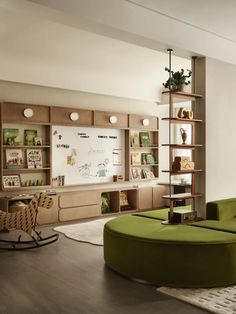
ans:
(176, 216)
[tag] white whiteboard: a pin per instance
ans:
(86, 155)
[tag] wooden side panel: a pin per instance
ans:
(102, 119)
(145, 198)
(157, 193)
(136, 122)
(48, 216)
(62, 116)
(14, 112)
(82, 198)
(79, 212)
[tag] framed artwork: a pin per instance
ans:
(11, 181)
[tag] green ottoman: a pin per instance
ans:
(169, 255)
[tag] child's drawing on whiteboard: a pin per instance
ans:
(71, 159)
(84, 170)
(102, 168)
(117, 157)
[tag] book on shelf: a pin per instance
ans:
(136, 158)
(136, 173)
(150, 159)
(14, 158)
(10, 136)
(144, 139)
(34, 158)
(148, 174)
(38, 141)
(134, 139)
(124, 203)
(29, 136)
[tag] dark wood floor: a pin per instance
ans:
(70, 277)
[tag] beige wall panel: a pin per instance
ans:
(101, 118)
(62, 116)
(13, 112)
(136, 122)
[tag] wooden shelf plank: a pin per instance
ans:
(182, 120)
(26, 146)
(22, 170)
(182, 171)
(183, 146)
(183, 95)
(144, 147)
(181, 196)
(147, 165)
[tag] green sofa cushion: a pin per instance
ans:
(160, 214)
(222, 225)
(221, 210)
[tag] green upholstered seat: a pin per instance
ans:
(160, 214)
(172, 255)
(222, 225)
(221, 210)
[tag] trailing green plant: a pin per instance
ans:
(177, 79)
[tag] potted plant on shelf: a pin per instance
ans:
(178, 80)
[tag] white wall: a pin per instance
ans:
(220, 130)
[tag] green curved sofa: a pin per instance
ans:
(201, 254)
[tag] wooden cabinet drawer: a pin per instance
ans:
(102, 118)
(79, 212)
(83, 198)
(136, 122)
(12, 112)
(62, 116)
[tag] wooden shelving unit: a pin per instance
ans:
(174, 198)
(135, 148)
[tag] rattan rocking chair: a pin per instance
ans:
(25, 220)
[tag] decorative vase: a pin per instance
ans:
(183, 135)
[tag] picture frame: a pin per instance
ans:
(11, 181)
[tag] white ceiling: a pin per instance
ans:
(59, 42)
(213, 16)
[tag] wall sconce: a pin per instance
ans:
(145, 122)
(74, 116)
(28, 113)
(113, 119)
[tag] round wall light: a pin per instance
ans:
(113, 119)
(145, 122)
(28, 113)
(74, 116)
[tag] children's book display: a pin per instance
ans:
(10, 136)
(144, 138)
(14, 158)
(34, 158)
(29, 137)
